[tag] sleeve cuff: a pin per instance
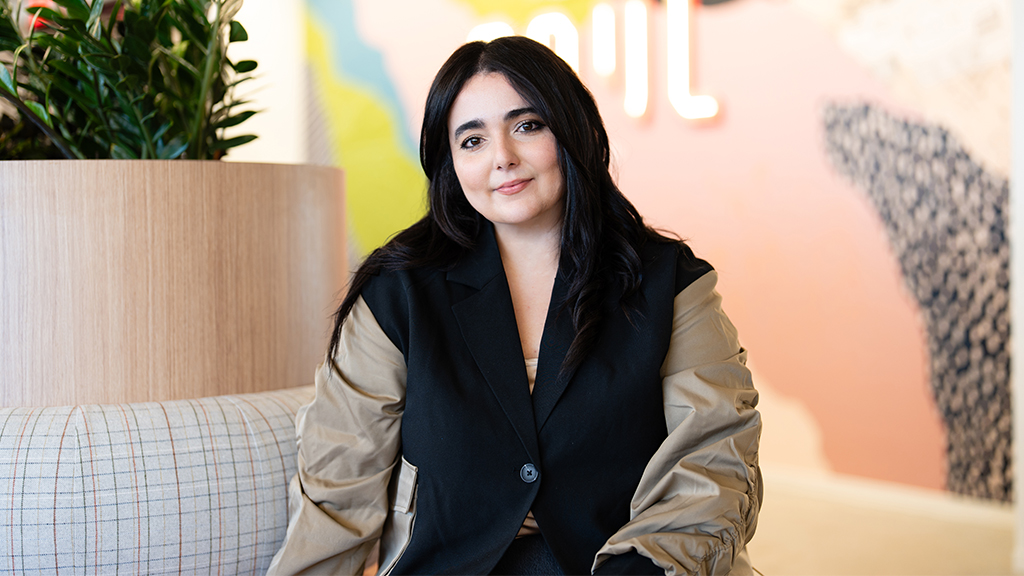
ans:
(629, 563)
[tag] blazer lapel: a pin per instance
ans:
(488, 324)
(554, 344)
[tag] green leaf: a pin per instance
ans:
(93, 24)
(129, 87)
(196, 8)
(130, 19)
(173, 149)
(232, 142)
(87, 100)
(8, 32)
(238, 33)
(122, 62)
(228, 9)
(135, 48)
(95, 44)
(235, 103)
(77, 9)
(9, 43)
(6, 82)
(239, 81)
(244, 66)
(63, 24)
(113, 20)
(58, 43)
(235, 120)
(119, 152)
(190, 30)
(45, 13)
(160, 134)
(125, 124)
(38, 109)
(181, 62)
(70, 71)
(99, 61)
(142, 29)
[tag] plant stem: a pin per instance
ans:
(57, 140)
(147, 141)
(99, 106)
(210, 66)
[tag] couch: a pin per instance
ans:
(184, 487)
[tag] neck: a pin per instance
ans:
(529, 249)
(530, 261)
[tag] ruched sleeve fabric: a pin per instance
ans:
(697, 503)
(348, 444)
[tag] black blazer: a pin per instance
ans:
(487, 451)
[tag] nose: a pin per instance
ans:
(505, 153)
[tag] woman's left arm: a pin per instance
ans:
(697, 503)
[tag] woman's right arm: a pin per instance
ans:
(349, 440)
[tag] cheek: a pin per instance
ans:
(469, 174)
(547, 158)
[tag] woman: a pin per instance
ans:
(529, 379)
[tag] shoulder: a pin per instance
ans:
(674, 260)
(388, 286)
(390, 295)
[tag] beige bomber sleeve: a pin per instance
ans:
(348, 442)
(697, 503)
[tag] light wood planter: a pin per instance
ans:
(130, 281)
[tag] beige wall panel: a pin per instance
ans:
(129, 281)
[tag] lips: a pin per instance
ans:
(513, 186)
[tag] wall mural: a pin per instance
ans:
(946, 218)
(357, 121)
(931, 407)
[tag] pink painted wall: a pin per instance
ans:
(806, 269)
(808, 275)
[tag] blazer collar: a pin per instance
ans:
(554, 344)
(488, 323)
(481, 264)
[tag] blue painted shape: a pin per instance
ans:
(359, 63)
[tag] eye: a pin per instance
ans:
(529, 126)
(471, 142)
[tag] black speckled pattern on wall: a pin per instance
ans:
(946, 218)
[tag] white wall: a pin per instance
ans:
(277, 42)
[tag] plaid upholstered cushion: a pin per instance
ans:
(191, 486)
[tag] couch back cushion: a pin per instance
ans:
(190, 486)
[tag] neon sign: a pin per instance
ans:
(554, 29)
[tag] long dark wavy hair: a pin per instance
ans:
(602, 233)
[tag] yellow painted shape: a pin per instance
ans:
(385, 189)
(520, 12)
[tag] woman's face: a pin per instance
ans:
(506, 159)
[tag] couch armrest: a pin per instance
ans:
(189, 485)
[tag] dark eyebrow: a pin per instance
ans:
(471, 125)
(519, 112)
(475, 124)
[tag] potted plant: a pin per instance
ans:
(130, 271)
(136, 80)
